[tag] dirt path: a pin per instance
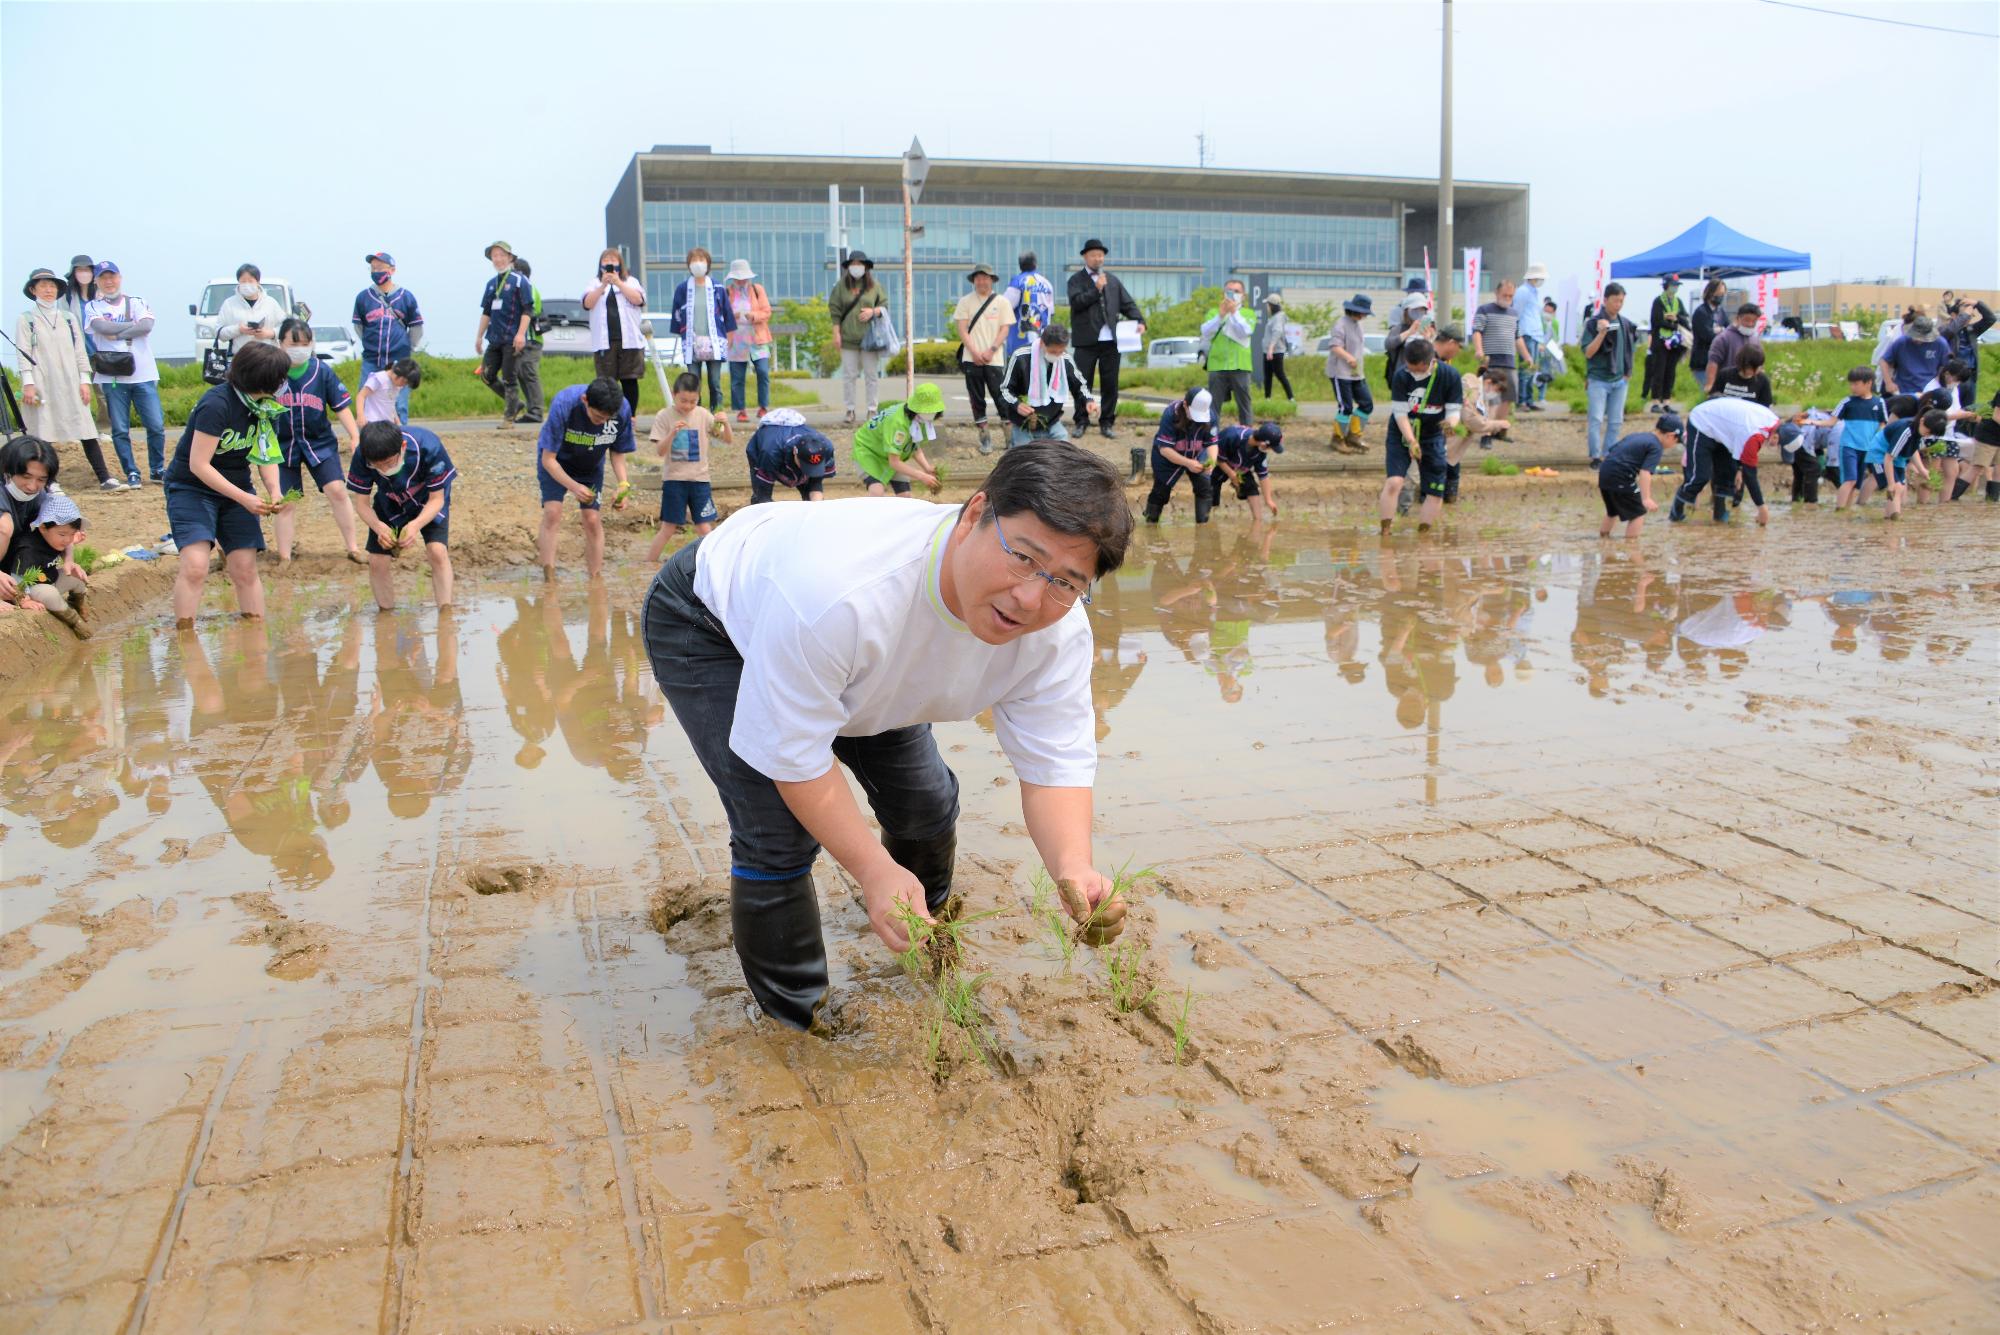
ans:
(1572, 940)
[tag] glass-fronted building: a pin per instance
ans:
(1169, 230)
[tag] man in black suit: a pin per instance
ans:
(1097, 300)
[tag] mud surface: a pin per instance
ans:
(1542, 936)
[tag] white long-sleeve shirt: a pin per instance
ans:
(236, 313)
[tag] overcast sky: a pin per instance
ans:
(180, 139)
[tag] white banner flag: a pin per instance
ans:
(1764, 291)
(1472, 259)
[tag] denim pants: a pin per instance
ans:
(1607, 413)
(912, 791)
(370, 367)
(1020, 435)
(1524, 375)
(119, 401)
(713, 370)
(739, 373)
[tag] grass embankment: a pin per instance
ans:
(452, 388)
(1810, 374)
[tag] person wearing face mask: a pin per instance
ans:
(249, 313)
(889, 447)
(387, 323)
(126, 373)
(855, 300)
(28, 465)
(617, 303)
(313, 398)
(211, 501)
(781, 666)
(506, 308)
(1272, 330)
(704, 321)
(1097, 300)
(55, 374)
(80, 289)
(1729, 343)
(1706, 322)
(1040, 383)
(1227, 335)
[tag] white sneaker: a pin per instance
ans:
(111, 484)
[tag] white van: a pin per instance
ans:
(220, 290)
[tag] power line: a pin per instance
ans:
(1871, 18)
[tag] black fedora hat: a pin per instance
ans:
(1094, 244)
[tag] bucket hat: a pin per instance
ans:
(1359, 304)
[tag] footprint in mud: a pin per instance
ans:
(297, 949)
(485, 878)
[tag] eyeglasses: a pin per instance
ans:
(1023, 566)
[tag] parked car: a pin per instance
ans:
(1174, 352)
(220, 290)
(567, 327)
(335, 343)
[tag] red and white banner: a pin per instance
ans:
(1597, 290)
(1430, 288)
(1472, 261)
(1764, 291)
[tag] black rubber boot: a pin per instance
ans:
(929, 860)
(1993, 491)
(1451, 476)
(1960, 487)
(1138, 465)
(778, 942)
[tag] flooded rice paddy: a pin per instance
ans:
(1542, 935)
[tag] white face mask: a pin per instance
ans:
(47, 305)
(18, 494)
(299, 356)
(698, 268)
(248, 291)
(856, 270)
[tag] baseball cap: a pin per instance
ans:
(813, 453)
(1669, 422)
(1272, 435)
(384, 257)
(1199, 407)
(105, 267)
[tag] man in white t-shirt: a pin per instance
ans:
(121, 326)
(1725, 436)
(782, 663)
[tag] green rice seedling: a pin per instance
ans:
(1496, 467)
(293, 495)
(87, 558)
(32, 576)
(957, 1001)
(936, 944)
(1122, 966)
(942, 472)
(1183, 1025)
(1051, 923)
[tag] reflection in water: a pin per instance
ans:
(306, 733)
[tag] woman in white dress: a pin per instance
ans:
(55, 374)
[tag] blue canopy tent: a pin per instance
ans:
(1711, 250)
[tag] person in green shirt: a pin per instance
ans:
(889, 446)
(1227, 331)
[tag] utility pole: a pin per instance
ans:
(1447, 256)
(1917, 218)
(915, 168)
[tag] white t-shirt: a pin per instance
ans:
(836, 610)
(1734, 422)
(123, 310)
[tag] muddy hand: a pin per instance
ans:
(883, 893)
(1100, 917)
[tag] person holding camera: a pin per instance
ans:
(249, 312)
(1227, 331)
(1041, 383)
(617, 303)
(1965, 319)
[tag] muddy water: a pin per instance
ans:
(1557, 933)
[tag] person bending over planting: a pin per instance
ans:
(584, 423)
(783, 663)
(411, 476)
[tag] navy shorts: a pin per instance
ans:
(196, 514)
(1431, 467)
(325, 471)
(553, 490)
(438, 531)
(679, 499)
(1623, 503)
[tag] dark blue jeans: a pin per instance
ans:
(740, 373)
(913, 792)
(119, 402)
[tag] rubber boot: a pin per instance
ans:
(1451, 475)
(1960, 487)
(929, 860)
(1339, 441)
(1993, 491)
(778, 943)
(1138, 465)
